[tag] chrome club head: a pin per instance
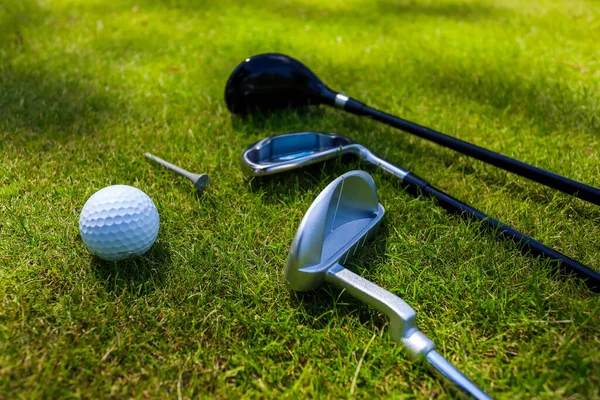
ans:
(340, 220)
(294, 150)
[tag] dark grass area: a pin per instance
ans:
(87, 87)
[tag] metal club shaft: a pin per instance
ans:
(403, 325)
(443, 366)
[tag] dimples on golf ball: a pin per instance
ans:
(119, 221)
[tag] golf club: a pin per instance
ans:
(271, 81)
(295, 150)
(200, 180)
(341, 220)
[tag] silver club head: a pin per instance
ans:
(340, 220)
(294, 150)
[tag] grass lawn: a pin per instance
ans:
(87, 86)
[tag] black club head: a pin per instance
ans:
(273, 81)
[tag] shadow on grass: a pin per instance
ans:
(49, 104)
(550, 106)
(35, 99)
(458, 11)
(321, 11)
(384, 11)
(15, 15)
(278, 122)
(139, 276)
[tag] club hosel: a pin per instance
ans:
(403, 319)
(341, 101)
(381, 162)
(414, 184)
(417, 344)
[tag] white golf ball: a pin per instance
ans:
(118, 222)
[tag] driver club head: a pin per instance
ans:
(273, 81)
(341, 219)
(294, 150)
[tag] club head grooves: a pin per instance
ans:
(340, 220)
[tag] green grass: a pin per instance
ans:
(87, 86)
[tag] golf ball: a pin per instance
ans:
(118, 222)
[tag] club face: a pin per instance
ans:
(341, 219)
(272, 81)
(293, 150)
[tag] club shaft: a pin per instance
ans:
(172, 167)
(403, 328)
(381, 162)
(539, 175)
(527, 243)
(443, 366)
(524, 242)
